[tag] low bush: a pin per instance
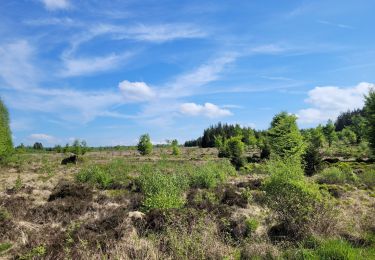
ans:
(368, 178)
(251, 226)
(211, 174)
(295, 201)
(337, 175)
(95, 176)
(162, 190)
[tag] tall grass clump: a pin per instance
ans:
(162, 190)
(331, 249)
(295, 201)
(111, 175)
(211, 174)
(368, 178)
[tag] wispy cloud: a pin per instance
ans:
(54, 5)
(16, 65)
(153, 33)
(339, 25)
(86, 66)
(49, 139)
(64, 21)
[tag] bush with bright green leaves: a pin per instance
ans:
(340, 174)
(210, 174)
(285, 139)
(348, 136)
(295, 201)
(251, 225)
(175, 148)
(6, 144)
(162, 190)
(144, 145)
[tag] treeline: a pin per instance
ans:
(349, 127)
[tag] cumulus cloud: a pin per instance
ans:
(329, 101)
(136, 91)
(43, 138)
(208, 109)
(53, 5)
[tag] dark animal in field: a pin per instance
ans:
(70, 159)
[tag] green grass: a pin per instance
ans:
(4, 247)
(332, 249)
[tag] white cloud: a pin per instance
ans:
(136, 91)
(44, 138)
(157, 33)
(329, 101)
(65, 21)
(16, 68)
(53, 5)
(85, 66)
(187, 84)
(208, 109)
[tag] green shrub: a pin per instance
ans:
(162, 190)
(4, 214)
(144, 145)
(294, 200)
(211, 174)
(95, 176)
(368, 178)
(175, 148)
(338, 175)
(251, 225)
(38, 251)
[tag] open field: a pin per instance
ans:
(120, 205)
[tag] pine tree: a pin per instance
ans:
(6, 144)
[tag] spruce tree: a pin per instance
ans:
(285, 139)
(6, 145)
(370, 117)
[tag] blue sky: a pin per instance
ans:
(109, 71)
